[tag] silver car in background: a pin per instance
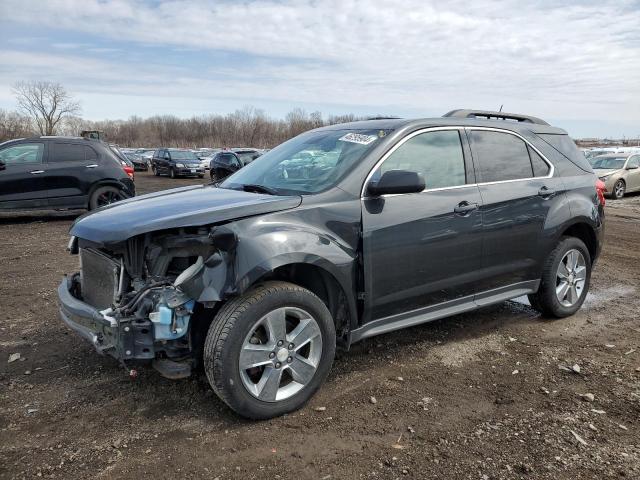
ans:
(619, 171)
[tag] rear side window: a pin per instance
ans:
(23, 153)
(540, 167)
(500, 156)
(436, 155)
(90, 154)
(227, 159)
(67, 152)
(567, 147)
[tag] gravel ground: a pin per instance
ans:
(499, 393)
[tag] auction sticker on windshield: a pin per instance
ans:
(358, 138)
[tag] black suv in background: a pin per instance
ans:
(60, 172)
(176, 162)
(227, 162)
(337, 235)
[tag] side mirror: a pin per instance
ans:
(397, 181)
(2, 165)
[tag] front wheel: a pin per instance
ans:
(155, 171)
(172, 173)
(619, 189)
(565, 279)
(268, 351)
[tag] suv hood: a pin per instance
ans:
(179, 207)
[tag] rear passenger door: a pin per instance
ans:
(71, 169)
(518, 191)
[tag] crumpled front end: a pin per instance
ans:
(135, 301)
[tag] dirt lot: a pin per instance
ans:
(477, 396)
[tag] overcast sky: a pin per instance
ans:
(576, 64)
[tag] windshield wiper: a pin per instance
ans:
(251, 187)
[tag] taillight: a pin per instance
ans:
(128, 170)
(601, 189)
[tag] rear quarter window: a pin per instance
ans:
(568, 149)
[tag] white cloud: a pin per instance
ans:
(552, 59)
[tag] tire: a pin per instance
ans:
(106, 195)
(234, 329)
(213, 176)
(172, 173)
(546, 300)
(200, 176)
(155, 171)
(619, 189)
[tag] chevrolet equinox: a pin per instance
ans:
(337, 235)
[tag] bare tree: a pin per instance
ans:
(46, 103)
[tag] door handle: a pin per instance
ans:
(36, 172)
(465, 207)
(93, 165)
(546, 192)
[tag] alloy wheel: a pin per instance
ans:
(109, 197)
(280, 354)
(570, 278)
(618, 189)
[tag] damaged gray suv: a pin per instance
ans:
(340, 234)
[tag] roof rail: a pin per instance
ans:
(489, 115)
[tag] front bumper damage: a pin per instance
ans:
(159, 337)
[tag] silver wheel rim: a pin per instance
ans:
(280, 354)
(570, 278)
(619, 190)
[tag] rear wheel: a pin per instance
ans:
(565, 279)
(619, 189)
(106, 195)
(268, 351)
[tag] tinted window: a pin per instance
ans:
(227, 159)
(500, 156)
(67, 152)
(540, 167)
(436, 155)
(567, 147)
(90, 154)
(23, 153)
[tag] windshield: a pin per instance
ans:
(183, 155)
(309, 163)
(608, 163)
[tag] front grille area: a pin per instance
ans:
(98, 278)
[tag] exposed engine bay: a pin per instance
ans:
(146, 290)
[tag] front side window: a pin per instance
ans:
(309, 163)
(67, 152)
(634, 162)
(23, 153)
(500, 156)
(436, 155)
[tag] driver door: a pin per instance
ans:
(22, 176)
(424, 249)
(633, 173)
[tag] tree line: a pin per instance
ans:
(46, 108)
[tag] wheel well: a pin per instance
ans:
(322, 284)
(103, 183)
(585, 233)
